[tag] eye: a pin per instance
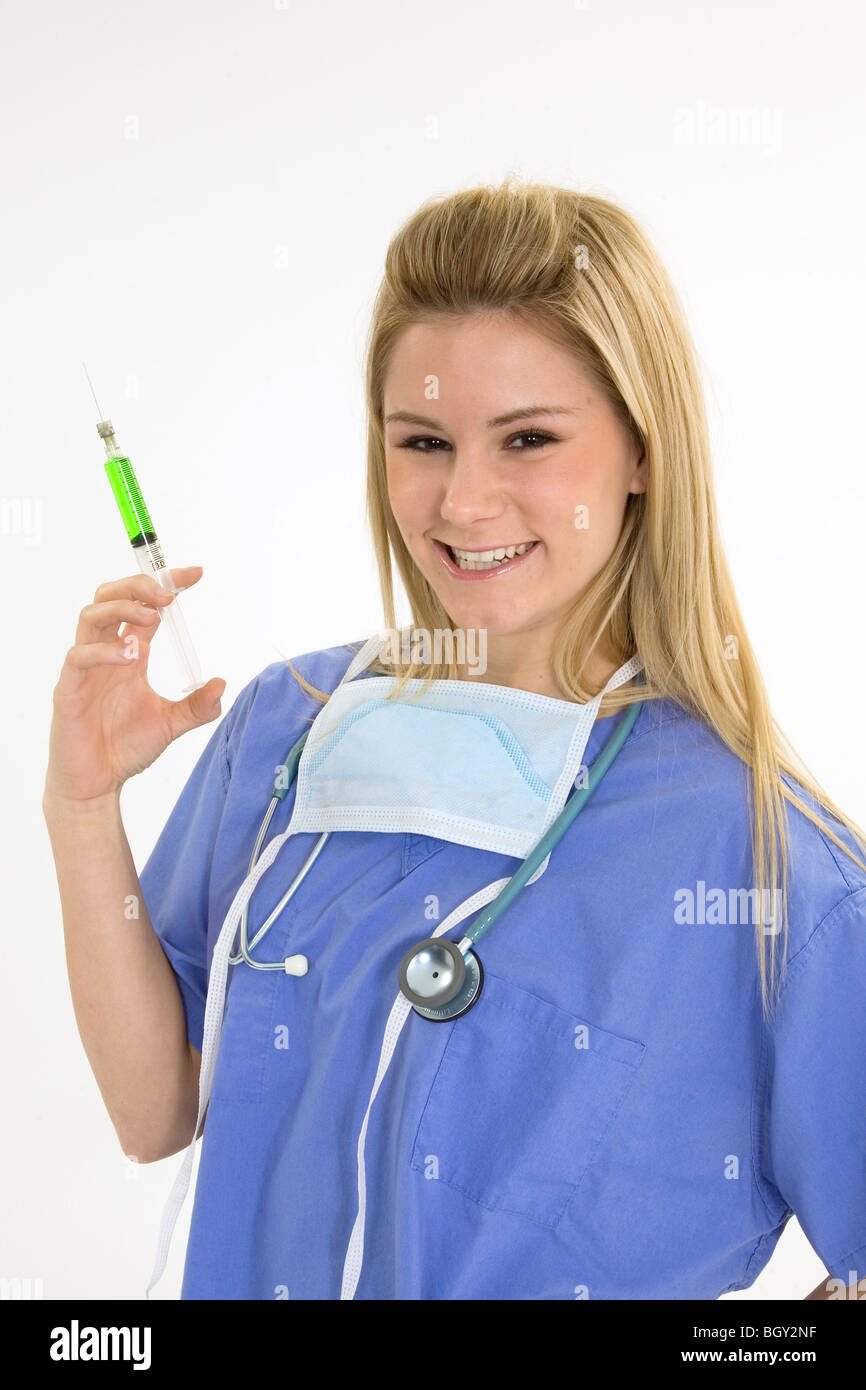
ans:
(417, 439)
(541, 437)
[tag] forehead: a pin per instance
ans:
(483, 358)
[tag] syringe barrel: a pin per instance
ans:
(127, 495)
(152, 561)
(147, 549)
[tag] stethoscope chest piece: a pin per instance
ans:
(439, 981)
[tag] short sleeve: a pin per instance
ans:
(175, 881)
(814, 1141)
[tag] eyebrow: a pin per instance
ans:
(407, 417)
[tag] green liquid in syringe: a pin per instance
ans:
(124, 485)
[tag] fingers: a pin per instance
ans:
(143, 586)
(132, 600)
(85, 657)
(99, 620)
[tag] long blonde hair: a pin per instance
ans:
(580, 270)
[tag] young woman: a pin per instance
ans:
(659, 1057)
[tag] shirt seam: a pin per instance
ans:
(843, 1259)
(744, 1281)
(675, 718)
(827, 843)
(756, 1137)
(759, 1108)
(225, 765)
(822, 928)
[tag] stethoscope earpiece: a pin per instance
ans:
(439, 981)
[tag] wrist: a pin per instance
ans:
(56, 806)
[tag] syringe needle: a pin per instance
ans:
(92, 392)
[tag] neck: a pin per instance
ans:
(518, 662)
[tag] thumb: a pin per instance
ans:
(200, 706)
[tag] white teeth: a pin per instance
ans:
(487, 559)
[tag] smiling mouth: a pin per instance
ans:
(486, 559)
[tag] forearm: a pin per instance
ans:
(126, 1000)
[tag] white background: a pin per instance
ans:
(196, 199)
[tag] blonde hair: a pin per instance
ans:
(580, 270)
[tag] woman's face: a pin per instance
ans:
(554, 475)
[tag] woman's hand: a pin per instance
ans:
(108, 722)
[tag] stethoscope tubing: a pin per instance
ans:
(485, 919)
(285, 775)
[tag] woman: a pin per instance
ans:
(662, 1062)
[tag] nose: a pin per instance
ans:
(472, 491)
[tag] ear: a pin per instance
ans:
(640, 475)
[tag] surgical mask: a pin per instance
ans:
(480, 765)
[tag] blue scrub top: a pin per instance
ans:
(505, 1159)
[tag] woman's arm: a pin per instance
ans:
(127, 1003)
(108, 725)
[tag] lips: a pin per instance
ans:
(505, 567)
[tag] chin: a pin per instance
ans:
(498, 620)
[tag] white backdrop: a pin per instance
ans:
(196, 199)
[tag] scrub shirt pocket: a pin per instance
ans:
(246, 1041)
(523, 1100)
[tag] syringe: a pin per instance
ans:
(145, 544)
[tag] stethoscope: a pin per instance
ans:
(441, 979)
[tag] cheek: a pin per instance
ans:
(394, 483)
(547, 498)
(411, 494)
(577, 486)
